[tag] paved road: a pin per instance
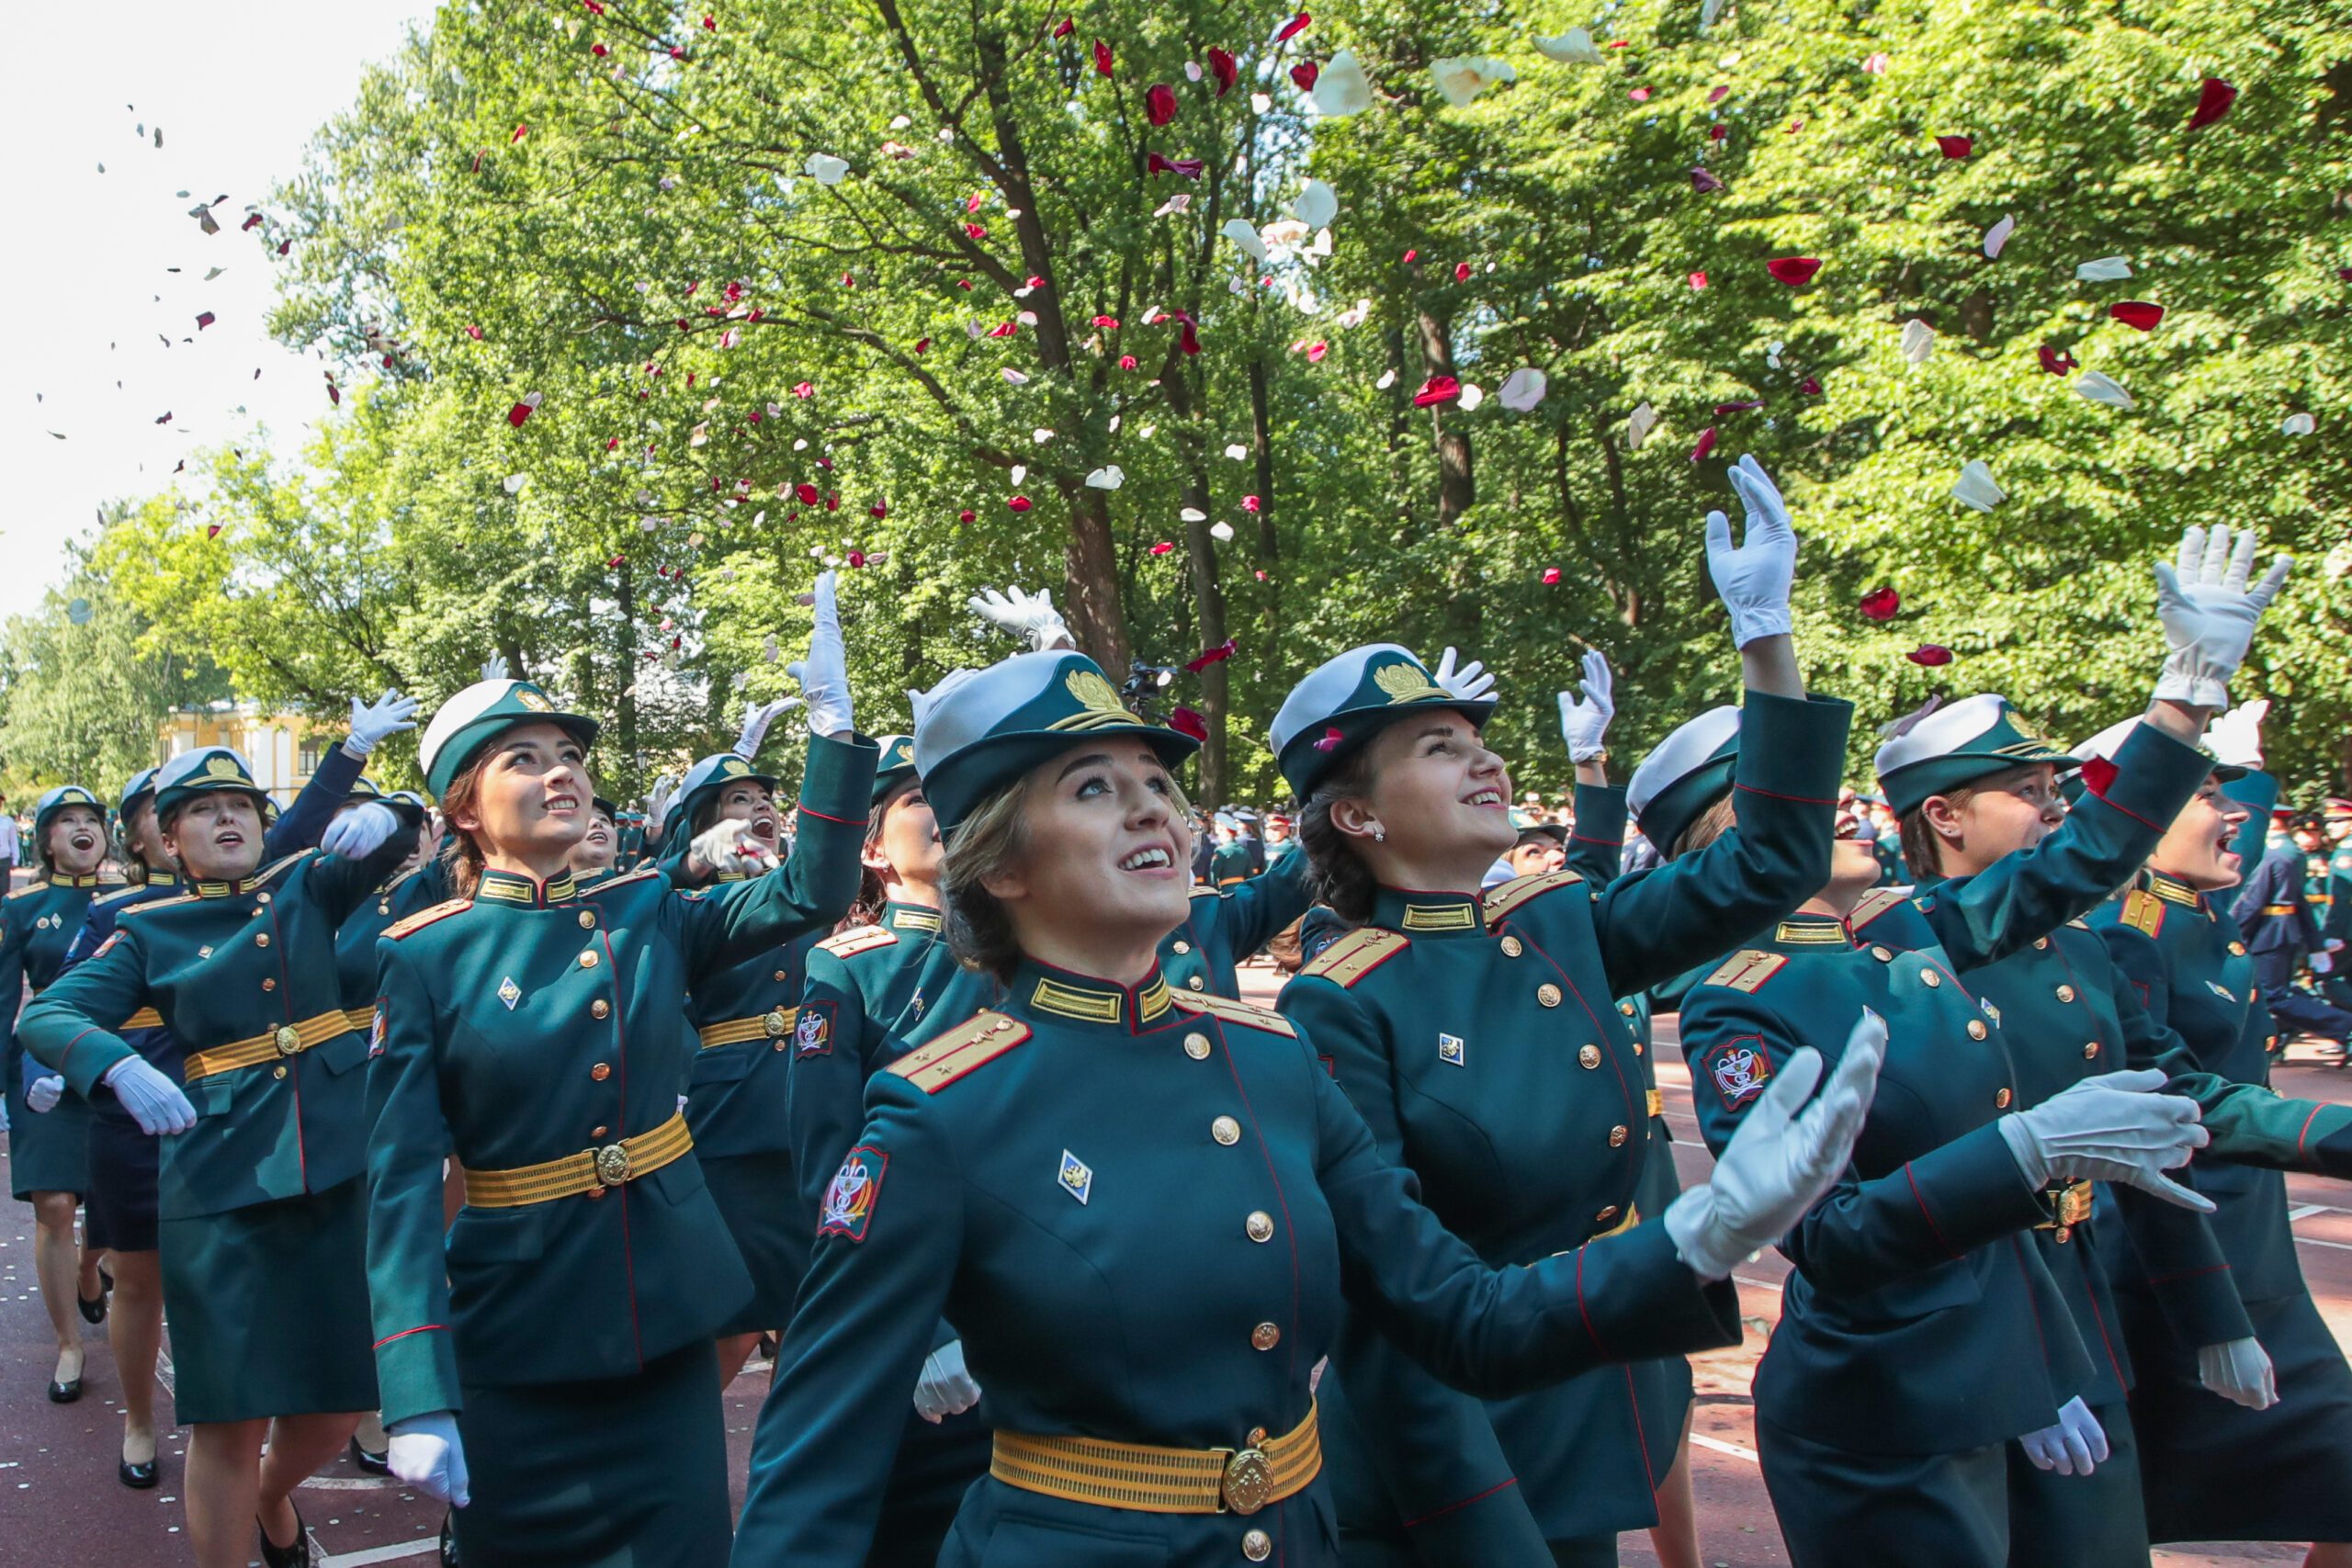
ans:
(60, 1506)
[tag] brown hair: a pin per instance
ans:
(461, 856)
(1337, 874)
(1923, 853)
(1707, 826)
(866, 907)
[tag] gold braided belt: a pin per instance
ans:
(1657, 1103)
(589, 1172)
(1162, 1481)
(772, 1026)
(2073, 1202)
(362, 1020)
(286, 1040)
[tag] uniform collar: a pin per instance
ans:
(1042, 991)
(1428, 914)
(60, 879)
(900, 917)
(1805, 929)
(227, 889)
(2170, 891)
(512, 887)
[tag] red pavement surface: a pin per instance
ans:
(61, 1506)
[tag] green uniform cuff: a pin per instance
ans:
(1632, 1312)
(1600, 816)
(1792, 748)
(2155, 775)
(839, 781)
(417, 1372)
(89, 1058)
(2203, 1308)
(1972, 1193)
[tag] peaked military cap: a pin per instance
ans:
(897, 766)
(57, 800)
(980, 728)
(1527, 824)
(200, 772)
(2103, 747)
(2338, 808)
(600, 804)
(363, 788)
(479, 715)
(705, 780)
(1956, 744)
(1344, 702)
(1684, 775)
(140, 787)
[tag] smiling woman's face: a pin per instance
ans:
(217, 836)
(1441, 798)
(77, 840)
(1106, 857)
(531, 795)
(2196, 847)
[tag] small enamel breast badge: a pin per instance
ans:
(1450, 1050)
(509, 992)
(1077, 1177)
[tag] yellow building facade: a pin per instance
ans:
(283, 748)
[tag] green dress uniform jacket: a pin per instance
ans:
(48, 1150)
(1226, 925)
(1231, 865)
(418, 888)
(1142, 1210)
(2213, 1469)
(2339, 896)
(1486, 1048)
(537, 1023)
(1921, 1330)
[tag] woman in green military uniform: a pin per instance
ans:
(1482, 1040)
(1142, 1207)
(262, 1231)
(551, 1371)
(49, 1160)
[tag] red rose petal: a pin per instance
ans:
(1159, 103)
(2137, 314)
(1293, 27)
(1410, 256)
(1209, 655)
(1102, 58)
(1879, 604)
(2213, 101)
(1020, 504)
(967, 515)
(1162, 548)
(1704, 182)
(1225, 69)
(1437, 389)
(205, 318)
(1065, 27)
(515, 417)
(1794, 271)
(1955, 146)
(1461, 272)
(1723, 409)
(2057, 361)
(804, 494)
(1810, 387)
(1551, 575)
(1706, 445)
(1640, 94)
(1698, 281)
(1930, 654)
(1305, 73)
(1184, 721)
(1331, 739)
(1126, 362)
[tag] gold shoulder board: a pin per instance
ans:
(425, 917)
(1230, 1011)
(2143, 911)
(1877, 902)
(1354, 957)
(1747, 969)
(1508, 896)
(864, 938)
(1206, 893)
(969, 1045)
(28, 892)
(639, 875)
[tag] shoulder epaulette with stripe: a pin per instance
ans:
(1504, 897)
(123, 892)
(1354, 955)
(1877, 902)
(1207, 893)
(148, 908)
(864, 938)
(425, 917)
(642, 873)
(968, 1047)
(1230, 1011)
(28, 892)
(2143, 911)
(1747, 969)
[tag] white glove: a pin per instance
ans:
(756, 720)
(2075, 1446)
(658, 798)
(360, 832)
(371, 722)
(1585, 725)
(729, 846)
(2322, 963)
(1471, 683)
(945, 1388)
(824, 674)
(154, 1102)
(1755, 579)
(43, 1093)
(2114, 1127)
(1779, 1162)
(427, 1453)
(2235, 738)
(494, 667)
(2239, 1370)
(1030, 616)
(2209, 614)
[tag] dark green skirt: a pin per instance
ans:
(1842, 1508)
(2081, 1521)
(48, 1150)
(268, 1307)
(756, 1199)
(617, 1472)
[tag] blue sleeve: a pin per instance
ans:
(301, 824)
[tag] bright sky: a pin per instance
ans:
(236, 87)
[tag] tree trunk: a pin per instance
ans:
(1457, 491)
(626, 708)
(1208, 610)
(1090, 583)
(1262, 443)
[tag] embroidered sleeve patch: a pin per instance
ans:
(849, 1202)
(375, 1032)
(812, 1032)
(1737, 1069)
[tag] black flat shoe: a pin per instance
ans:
(93, 1311)
(295, 1556)
(374, 1465)
(138, 1477)
(448, 1541)
(65, 1392)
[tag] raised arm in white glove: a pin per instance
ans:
(724, 847)
(1780, 1162)
(1029, 616)
(371, 722)
(357, 833)
(154, 1102)
(1756, 578)
(494, 667)
(2209, 614)
(2114, 1127)
(1584, 723)
(2239, 1370)
(43, 1093)
(426, 1453)
(756, 719)
(2075, 1446)
(659, 798)
(945, 1388)
(824, 674)
(2235, 738)
(1471, 682)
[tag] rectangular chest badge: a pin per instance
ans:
(849, 1202)
(1450, 1050)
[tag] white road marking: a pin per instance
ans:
(2305, 1210)
(399, 1552)
(350, 1483)
(1701, 1439)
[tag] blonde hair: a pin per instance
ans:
(1706, 827)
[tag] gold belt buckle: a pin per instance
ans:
(1249, 1477)
(776, 1023)
(288, 1038)
(2075, 1204)
(612, 1164)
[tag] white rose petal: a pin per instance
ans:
(1107, 476)
(1260, 102)
(1472, 396)
(514, 482)
(1976, 488)
(1041, 435)
(1013, 377)
(826, 169)
(1192, 71)
(1237, 451)
(1221, 532)
(1317, 204)
(1243, 234)
(1918, 340)
(2106, 269)
(1019, 472)
(1574, 46)
(1638, 426)
(1463, 77)
(1388, 379)
(1194, 514)
(2298, 425)
(1523, 388)
(1341, 90)
(1999, 235)
(2100, 389)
